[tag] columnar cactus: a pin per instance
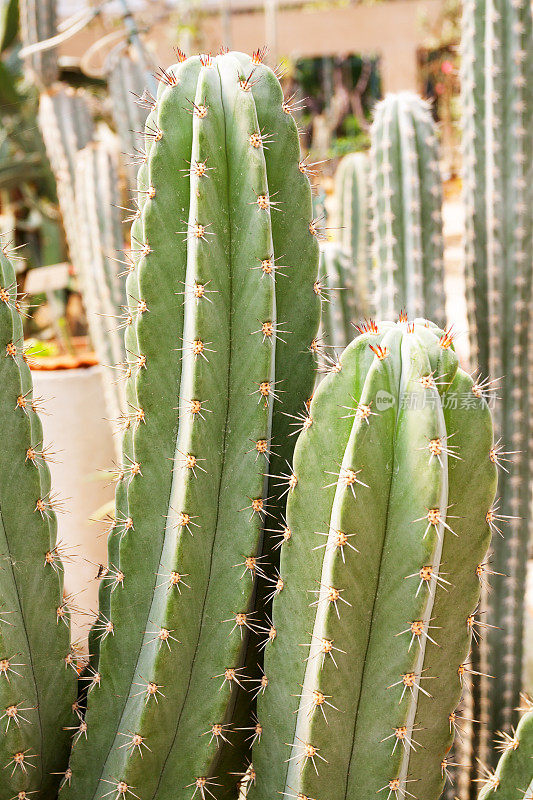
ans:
(380, 578)
(498, 179)
(37, 667)
(338, 293)
(513, 777)
(406, 205)
(352, 227)
(101, 243)
(38, 21)
(127, 78)
(225, 265)
(67, 127)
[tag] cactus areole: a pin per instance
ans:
(382, 574)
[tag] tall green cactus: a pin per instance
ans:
(393, 481)
(352, 227)
(37, 683)
(513, 777)
(497, 59)
(224, 254)
(101, 243)
(406, 202)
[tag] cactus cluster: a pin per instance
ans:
(394, 481)
(37, 681)
(221, 328)
(498, 184)
(406, 209)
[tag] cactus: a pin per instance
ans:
(498, 180)
(38, 21)
(126, 81)
(67, 127)
(513, 777)
(393, 481)
(406, 205)
(352, 224)
(37, 683)
(207, 358)
(100, 237)
(338, 294)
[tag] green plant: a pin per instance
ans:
(498, 185)
(406, 201)
(513, 777)
(353, 228)
(223, 318)
(394, 478)
(101, 243)
(37, 683)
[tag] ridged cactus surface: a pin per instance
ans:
(406, 208)
(224, 260)
(393, 483)
(352, 227)
(37, 681)
(497, 58)
(101, 244)
(513, 777)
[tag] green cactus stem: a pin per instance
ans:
(513, 777)
(337, 293)
(224, 265)
(103, 291)
(352, 227)
(37, 667)
(406, 202)
(498, 180)
(393, 483)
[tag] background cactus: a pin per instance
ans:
(513, 777)
(211, 305)
(37, 682)
(352, 228)
(100, 245)
(127, 79)
(406, 203)
(394, 478)
(338, 295)
(38, 21)
(498, 181)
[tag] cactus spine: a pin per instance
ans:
(194, 495)
(389, 535)
(406, 209)
(513, 777)
(101, 242)
(37, 683)
(352, 215)
(498, 181)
